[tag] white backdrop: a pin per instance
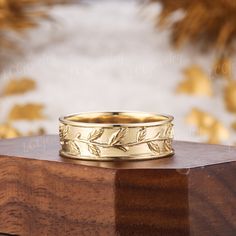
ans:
(106, 56)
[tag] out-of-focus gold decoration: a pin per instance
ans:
(223, 68)
(196, 82)
(230, 96)
(205, 25)
(219, 133)
(210, 24)
(40, 131)
(8, 131)
(208, 125)
(18, 15)
(30, 111)
(19, 86)
(233, 125)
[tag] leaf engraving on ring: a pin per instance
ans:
(141, 134)
(118, 136)
(161, 140)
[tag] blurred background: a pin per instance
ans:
(163, 56)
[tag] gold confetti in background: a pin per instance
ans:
(18, 16)
(206, 26)
(28, 111)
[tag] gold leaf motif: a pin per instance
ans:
(168, 131)
(167, 145)
(95, 134)
(122, 148)
(141, 134)
(78, 135)
(159, 133)
(30, 111)
(154, 147)
(118, 136)
(63, 131)
(74, 148)
(93, 149)
(19, 86)
(196, 82)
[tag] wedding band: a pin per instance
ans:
(104, 136)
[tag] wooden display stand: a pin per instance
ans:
(191, 194)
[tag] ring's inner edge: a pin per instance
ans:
(116, 118)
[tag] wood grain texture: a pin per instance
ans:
(152, 203)
(39, 198)
(44, 194)
(198, 201)
(212, 200)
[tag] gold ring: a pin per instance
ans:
(104, 136)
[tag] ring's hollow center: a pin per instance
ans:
(116, 118)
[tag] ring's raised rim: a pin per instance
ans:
(65, 119)
(118, 158)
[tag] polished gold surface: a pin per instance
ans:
(116, 136)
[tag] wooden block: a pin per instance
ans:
(193, 193)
